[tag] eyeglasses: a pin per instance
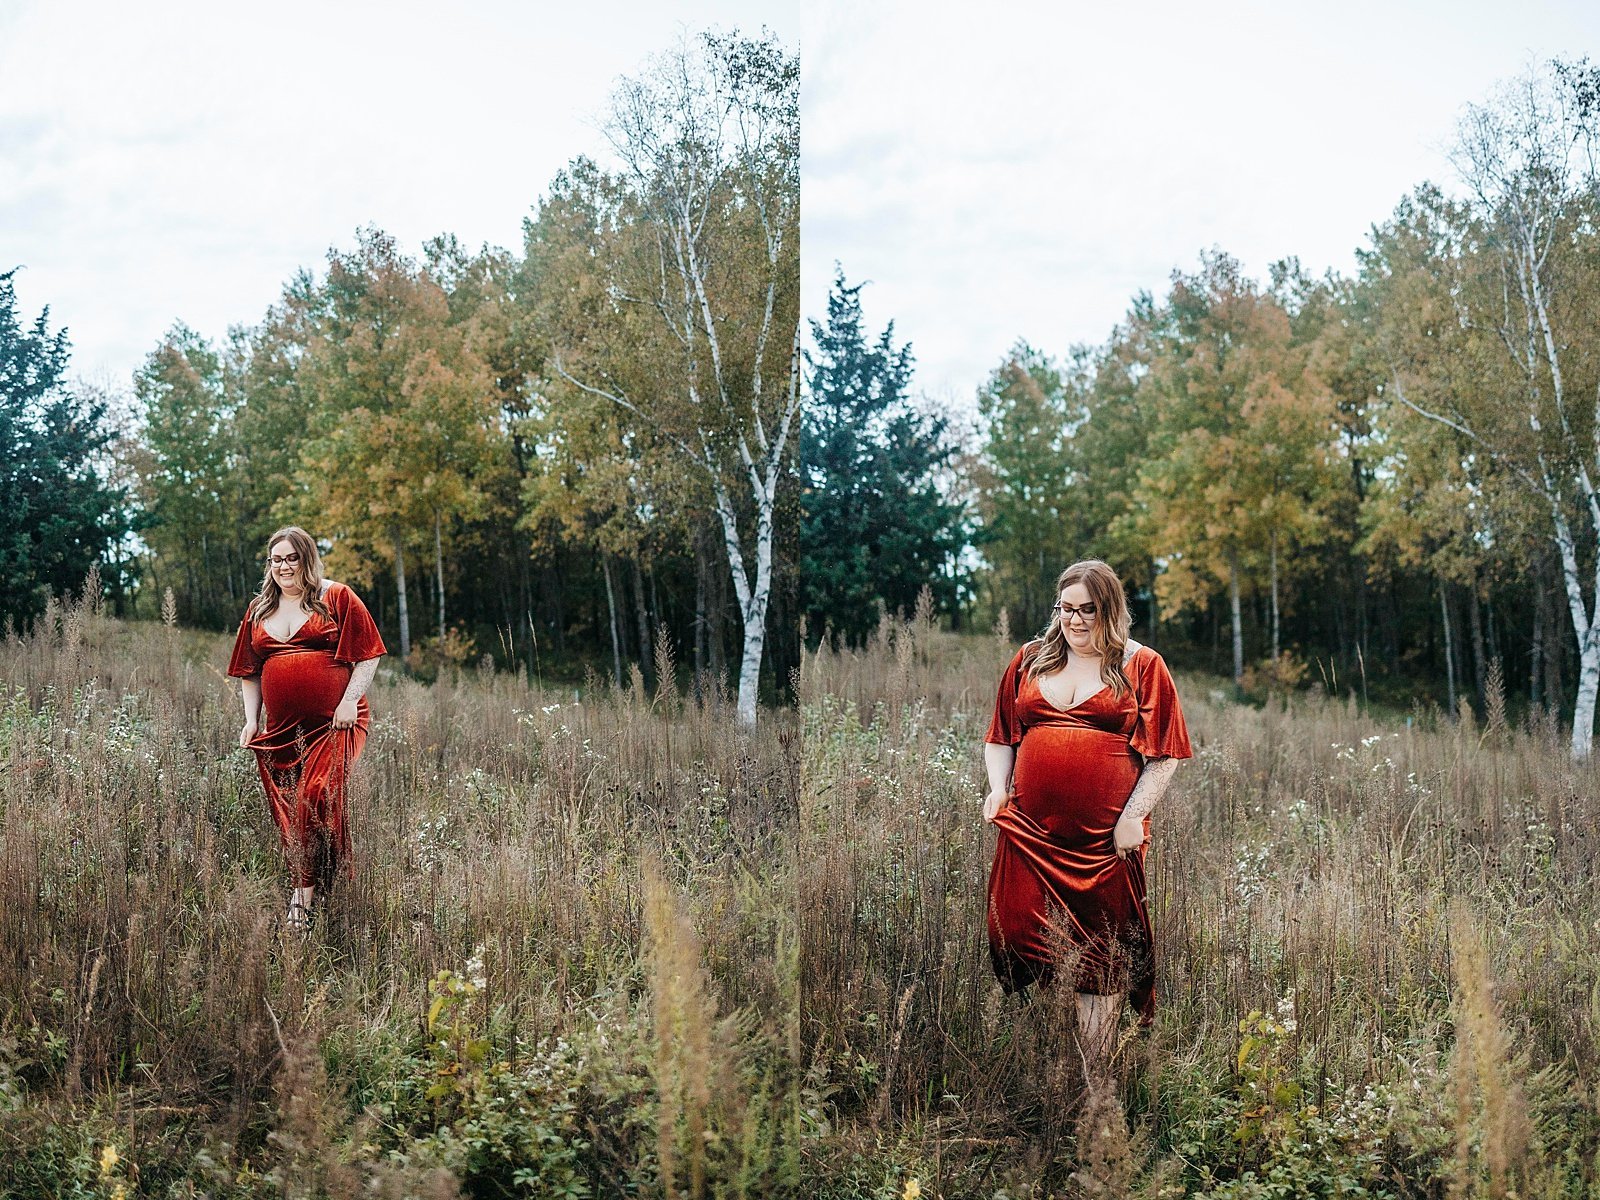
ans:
(1086, 611)
(280, 560)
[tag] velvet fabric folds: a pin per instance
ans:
(305, 762)
(1058, 890)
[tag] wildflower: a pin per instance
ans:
(475, 971)
(1286, 1011)
(913, 1189)
(109, 1158)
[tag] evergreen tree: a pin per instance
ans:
(61, 518)
(875, 523)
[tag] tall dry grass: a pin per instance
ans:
(1379, 950)
(150, 1003)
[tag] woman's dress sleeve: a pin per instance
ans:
(245, 662)
(358, 632)
(1159, 731)
(1005, 728)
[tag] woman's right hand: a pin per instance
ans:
(994, 803)
(247, 734)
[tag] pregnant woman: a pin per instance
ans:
(1085, 737)
(307, 651)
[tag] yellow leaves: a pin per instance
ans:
(110, 1159)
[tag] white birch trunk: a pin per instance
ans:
(611, 609)
(1586, 629)
(1517, 158)
(400, 589)
(749, 152)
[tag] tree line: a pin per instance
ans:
(582, 452)
(1385, 482)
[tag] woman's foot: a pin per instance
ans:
(302, 910)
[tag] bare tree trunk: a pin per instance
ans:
(656, 617)
(646, 663)
(1449, 648)
(700, 661)
(558, 605)
(1274, 597)
(716, 636)
(438, 567)
(525, 605)
(1238, 619)
(400, 597)
(1361, 615)
(753, 600)
(1480, 666)
(1586, 629)
(1554, 652)
(208, 587)
(1536, 655)
(611, 607)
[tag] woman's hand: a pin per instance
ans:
(346, 715)
(247, 734)
(994, 803)
(1128, 835)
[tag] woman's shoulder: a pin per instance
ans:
(1140, 660)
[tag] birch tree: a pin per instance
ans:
(706, 234)
(1527, 273)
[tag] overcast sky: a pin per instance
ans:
(175, 160)
(1023, 175)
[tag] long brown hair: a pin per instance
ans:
(1109, 633)
(267, 599)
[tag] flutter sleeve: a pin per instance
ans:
(358, 632)
(1160, 731)
(1005, 729)
(245, 662)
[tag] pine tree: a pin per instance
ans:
(875, 523)
(61, 517)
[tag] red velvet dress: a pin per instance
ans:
(304, 761)
(1057, 880)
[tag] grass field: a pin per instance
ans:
(1379, 947)
(613, 947)
(565, 965)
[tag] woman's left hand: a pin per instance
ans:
(346, 715)
(1128, 835)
